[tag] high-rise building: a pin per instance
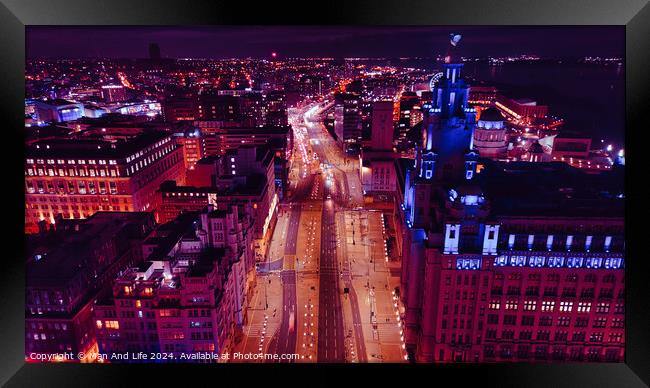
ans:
(505, 261)
(76, 178)
(191, 141)
(68, 269)
(382, 125)
(275, 104)
(377, 172)
(407, 105)
(347, 121)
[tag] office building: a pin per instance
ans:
(76, 178)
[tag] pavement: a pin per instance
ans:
(373, 279)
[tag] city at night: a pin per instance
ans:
(304, 194)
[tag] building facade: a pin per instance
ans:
(506, 261)
(69, 269)
(76, 178)
(190, 293)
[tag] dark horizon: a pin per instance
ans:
(258, 42)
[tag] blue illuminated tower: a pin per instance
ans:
(446, 153)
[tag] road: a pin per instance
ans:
(331, 333)
(331, 347)
(284, 341)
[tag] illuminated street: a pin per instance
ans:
(438, 197)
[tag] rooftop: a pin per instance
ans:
(81, 248)
(551, 189)
(93, 148)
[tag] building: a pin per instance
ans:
(217, 140)
(482, 96)
(521, 108)
(249, 185)
(191, 142)
(179, 108)
(70, 267)
(570, 145)
(190, 293)
(218, 107)
(407, 104)
(275, 107)
(347, 121)
(58, 111)
(377, 170)
(490, 139)
(76, 178)
(506, 261)
(382, 126)
(251, 107)
(114, 93)
(536, 153)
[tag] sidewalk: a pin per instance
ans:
(267, 290)
(373, 283)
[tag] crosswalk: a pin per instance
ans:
(257, 330)
(387, 332)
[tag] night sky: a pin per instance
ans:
(313, 41)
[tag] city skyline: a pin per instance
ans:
(334, 211)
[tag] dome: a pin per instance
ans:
(491, 114)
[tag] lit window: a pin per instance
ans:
(511, 305)
(566, 306)
(584, 307)
(530, 305)
(548, 305)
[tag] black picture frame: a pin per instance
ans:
(16, 14)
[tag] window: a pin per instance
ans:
(600, 322)
(578, 336)
(511, 304)
(615, 337)
(566, 306)
(509, 319)
(548, 305)
(603, 307)
(495, 304)
(582, 322)
(584, 307)
(528, 320)
(530, 305)
(563, 321)
(596, 337)
(618, 323)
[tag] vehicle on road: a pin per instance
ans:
(291, 320)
